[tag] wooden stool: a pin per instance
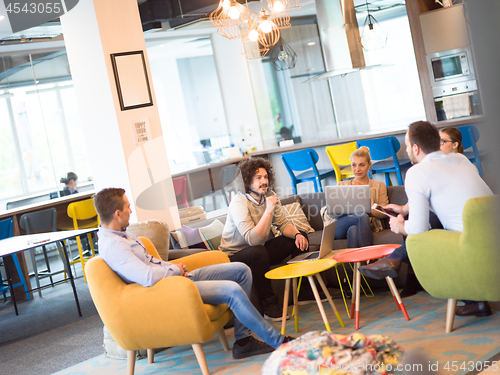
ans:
(307, 269)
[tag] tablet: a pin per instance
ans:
(384, 211)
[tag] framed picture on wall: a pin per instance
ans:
(132, 81)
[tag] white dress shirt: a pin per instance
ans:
(442, 183)
(127, 256)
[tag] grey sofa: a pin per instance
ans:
(311, 204)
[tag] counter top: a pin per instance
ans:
(329, 142)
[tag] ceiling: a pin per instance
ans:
(52, 29)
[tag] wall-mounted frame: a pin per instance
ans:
(132, 81)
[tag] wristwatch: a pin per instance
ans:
(296, 234)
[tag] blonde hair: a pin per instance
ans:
(362, 152)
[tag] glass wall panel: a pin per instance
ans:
(10, 177)
(192, 116)
(42, 135)
(381, 99)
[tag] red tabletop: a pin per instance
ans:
(362, 254)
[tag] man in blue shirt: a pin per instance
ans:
(228, 283)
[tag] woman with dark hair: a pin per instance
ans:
(451, 140)
(70, 181)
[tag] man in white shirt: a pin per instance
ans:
(228, 283)
(438, 182)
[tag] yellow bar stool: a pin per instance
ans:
(340, 157)
(305, 269)
(84, 216)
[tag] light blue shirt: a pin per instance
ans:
(127, 256)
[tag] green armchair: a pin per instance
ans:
(465, 266)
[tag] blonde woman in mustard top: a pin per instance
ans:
(358, 228)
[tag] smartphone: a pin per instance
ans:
(385, 211)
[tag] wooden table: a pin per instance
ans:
(19, 244)
(362, 254)
(60, 204)
(305, 269)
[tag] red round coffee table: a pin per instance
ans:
(363, 254)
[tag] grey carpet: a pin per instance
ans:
(48, 335)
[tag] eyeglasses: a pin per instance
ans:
(444, 141)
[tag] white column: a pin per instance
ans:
(94, 30)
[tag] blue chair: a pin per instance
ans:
(305, 160)
(470, 135)
(385, 149)
(6, 232)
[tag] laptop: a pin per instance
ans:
(348, 199)
(325, 248)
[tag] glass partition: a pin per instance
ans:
(42, 138)
(381, 99)
(192, 116)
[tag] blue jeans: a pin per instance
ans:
(230, 283)
(356, 228)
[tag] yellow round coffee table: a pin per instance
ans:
(305, 269)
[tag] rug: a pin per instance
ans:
(472, 341)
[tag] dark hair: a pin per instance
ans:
(69, 176)
(425, 135)
(107, 201)
(249, 168)
(286, 133)
(455, 136)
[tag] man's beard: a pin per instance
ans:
(412, 158)
(258, 193)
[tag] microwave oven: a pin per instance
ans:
(449, 67)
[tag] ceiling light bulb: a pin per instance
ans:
(278, 6)
(233, 13)
(253, 35)
(226, 4)
(266, 26)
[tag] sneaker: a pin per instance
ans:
(274, 313)
(251, 348)
(287, 339)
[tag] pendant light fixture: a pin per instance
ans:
(283, 5)
(282, 56)
(268, 33)
(232, 19)
(281, 19)
(251, 48)
(373, 37)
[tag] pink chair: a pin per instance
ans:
(180, 190)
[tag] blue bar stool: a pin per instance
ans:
(470, 135)
(6, 232)
(384, 151)
(305, 160)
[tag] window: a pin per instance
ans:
(42, 138)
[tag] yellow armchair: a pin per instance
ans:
(170, 313)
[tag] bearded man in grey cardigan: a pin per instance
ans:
(246, 235)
